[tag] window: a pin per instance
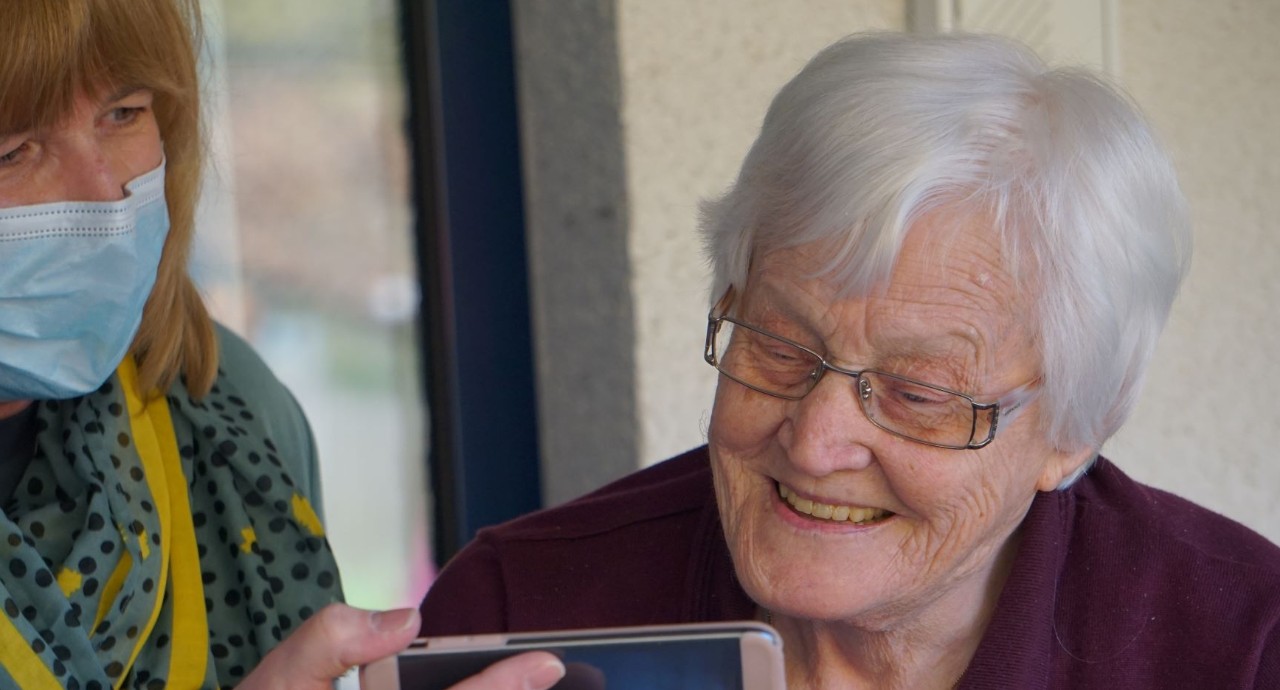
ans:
(305, 249)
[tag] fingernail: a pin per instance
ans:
(394, 621)
(544, 675)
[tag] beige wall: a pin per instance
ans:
(1208, 426)
(695, 79)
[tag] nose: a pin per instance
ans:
(827, 431)
(89, 172)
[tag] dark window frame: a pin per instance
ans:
(475, 334)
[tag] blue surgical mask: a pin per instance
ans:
(74, 277)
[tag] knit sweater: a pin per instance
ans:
(1115, 584)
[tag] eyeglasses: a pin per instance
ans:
(914, 410)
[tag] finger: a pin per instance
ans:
(580, 675)
(530, 671)
(332, 641)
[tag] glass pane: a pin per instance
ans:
(305, 249)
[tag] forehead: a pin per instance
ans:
(949, 296)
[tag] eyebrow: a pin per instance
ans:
(124, 92)
(775, 300)
(891, 346)
(119, 94)
(950, 348)
(951, 353)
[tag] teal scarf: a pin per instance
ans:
(154, 543)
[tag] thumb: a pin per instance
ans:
(330, 642)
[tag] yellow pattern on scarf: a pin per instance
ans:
(158, 447)
(22, 664)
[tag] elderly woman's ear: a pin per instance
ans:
(1064, 465)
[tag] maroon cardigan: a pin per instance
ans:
(1115, 585)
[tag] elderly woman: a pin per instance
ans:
(157, 483)
(938, 281)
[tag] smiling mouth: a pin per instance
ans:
(829, 512)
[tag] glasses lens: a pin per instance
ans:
(916, 410)
(905, 407)
(764, 362)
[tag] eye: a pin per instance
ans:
(12, 155)
(784, 354)
(911, 394)
(913, 397)
(129, 108)
(926, 397)
(780, 355)
(124, 115)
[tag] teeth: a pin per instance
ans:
(826, 511)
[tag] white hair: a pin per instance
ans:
(879, 129)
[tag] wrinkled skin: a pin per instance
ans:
(900, 602)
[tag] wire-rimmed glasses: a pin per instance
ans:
(915, 410)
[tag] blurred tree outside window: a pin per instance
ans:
(305, 249)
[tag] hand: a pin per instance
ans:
(340, 637)
(330, 642)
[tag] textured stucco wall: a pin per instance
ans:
(1208, 425)
(695, 79)
(575, 210)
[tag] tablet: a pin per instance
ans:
(704, 656)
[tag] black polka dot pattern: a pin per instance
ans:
(84, 514)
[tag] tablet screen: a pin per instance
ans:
(695, 663)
